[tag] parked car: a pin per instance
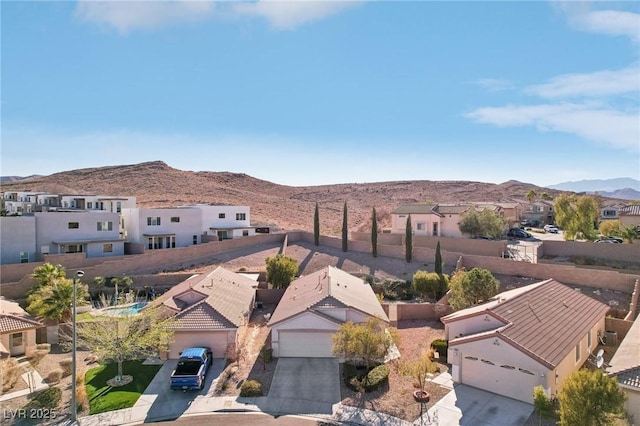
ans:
(551, 229)
(532, 223)
(191, 371)
(518, 233)
(610, 240)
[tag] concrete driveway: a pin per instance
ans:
(161, 402)
(466, 405)
(303, 386)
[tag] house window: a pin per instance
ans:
(540, 208)
(153, 221)
(44, 249)
(245, 233)
(508, 367)
(24, 257)
(589, 339)
(72, 248)
(195, 239)
(221, 215)
(73, 225)
(107, 248)
(525, 371)
(118, 207)
(486, 361)
(420, 226)
(435, 229)
(241, 216)
(471, 358)
(89, 205)
(609, 213)
(16, 339)
(578, 352)
(105, 226)
(175, 219)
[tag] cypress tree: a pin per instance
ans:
(438, 264)
(408, 241)
(345, 230)
(316, 226)
(374, 233)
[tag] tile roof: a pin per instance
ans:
(632, 210)
(202, 316)
(12, 323)
(629, 377)
(628, 354)
(420, 208)
(328, 287)
(544, 319)
(229, 298)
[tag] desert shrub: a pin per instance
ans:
(375, 378)
(440, 346)
(48, 398)
(11, 371)
(66, 365)
(82, 399)
(358, 379)
(55, 375)
(397, 290)
(251, 388)
(44, 347)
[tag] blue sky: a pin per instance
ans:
(307, 93)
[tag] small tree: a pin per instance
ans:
(437, 268)
(469, 288)
(427, 284)
(119, 339)
(610, 228)
(368, 342)
(418, 368)
(374, 233)
(629, 233)
(408, 240)
(316, 226)
(590, 398)
(281, 270)
(541, 403)
(345, 229)
(576, 215)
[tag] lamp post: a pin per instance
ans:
(74, 405)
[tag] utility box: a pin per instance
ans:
(611, 338)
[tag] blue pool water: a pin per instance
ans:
(126, 310)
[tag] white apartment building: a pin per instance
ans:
(162, 228)
(226, 222)
(28, 238)
(17, 203)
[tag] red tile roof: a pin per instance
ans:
(545, 320)
(12, 323)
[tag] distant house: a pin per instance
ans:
(541, 210)
(313, 308)
(532, 336)
(210, 309)
(17, 329)
(610, 212)
(630, 215)
(625, 367)
(442, 219)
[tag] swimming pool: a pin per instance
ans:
(124, 311)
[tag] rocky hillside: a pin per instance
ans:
(155, 184)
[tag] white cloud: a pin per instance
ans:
(126, 16)
(609, 22)
(589, 121)
(494, 84)
(596, 84)
(287, 15)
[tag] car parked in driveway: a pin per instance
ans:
(551, 229)
(518, 233)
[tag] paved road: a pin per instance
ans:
(241, 419)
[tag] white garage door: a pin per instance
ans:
(305, 344)
(500, 378)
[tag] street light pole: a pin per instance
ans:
(74, 405)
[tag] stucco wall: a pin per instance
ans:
(623, 252)
(18, 235)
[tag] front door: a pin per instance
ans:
(17, 344)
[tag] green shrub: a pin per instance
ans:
(251, 388)
(48, 398)
(440, 346)
(356, 377)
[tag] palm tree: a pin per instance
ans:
(54, 301)
(47, 274)
(531, 195)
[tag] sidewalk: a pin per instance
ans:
(33, 379)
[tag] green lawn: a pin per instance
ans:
(103, 397)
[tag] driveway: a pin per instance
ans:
(466, 405)
(161, 402)
(303, 386)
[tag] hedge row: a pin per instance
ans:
(357, 378)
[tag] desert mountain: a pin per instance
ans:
(600, 185)
(155, 184)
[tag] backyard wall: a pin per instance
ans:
(399, 311)
(621, 252)
(620, 326)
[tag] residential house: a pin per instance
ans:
(162, 228)
(541, 210)
(630, 215)
(225, 222)
(611, 212)
(29, 237)
(313, 308)
(531, 336)
(425, 219)
(211, 309)
(17, 329)
(625, 367)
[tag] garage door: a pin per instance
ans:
(217, 341)
(500, 378)
(305, 344)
